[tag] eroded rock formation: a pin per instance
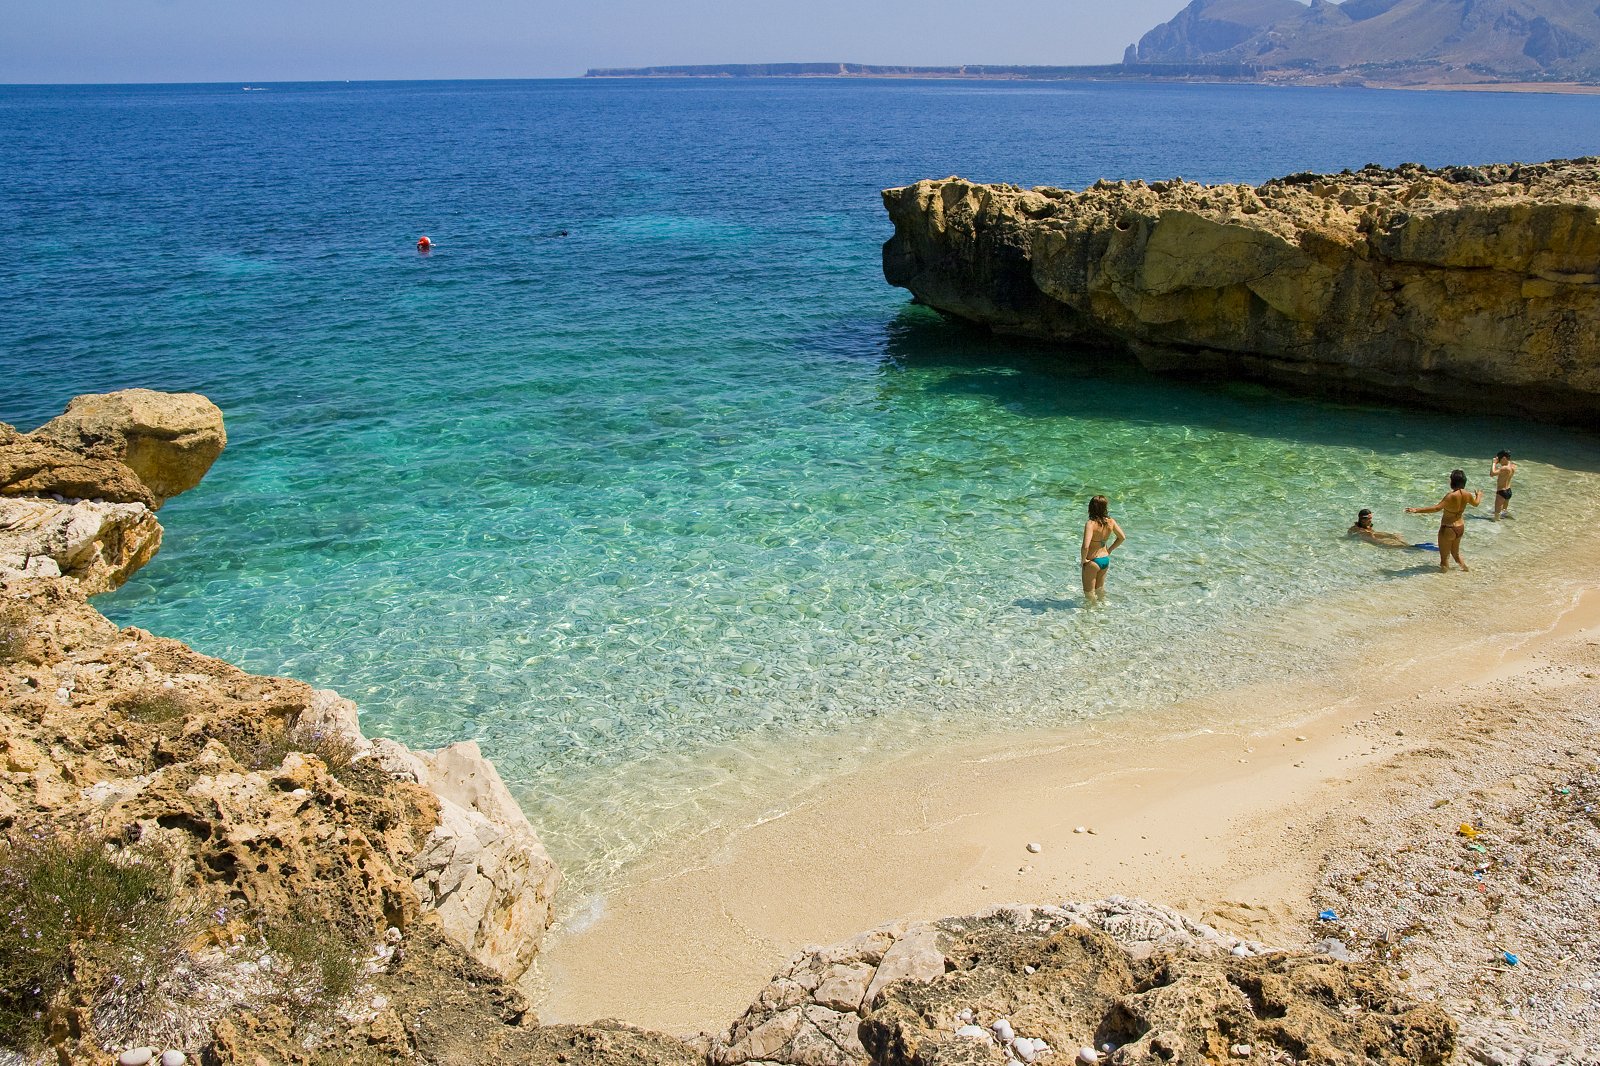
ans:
(271, 806)
(1039, 983)
(1472, 286)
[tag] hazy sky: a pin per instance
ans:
(288, 40)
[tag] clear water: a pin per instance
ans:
(684, 506)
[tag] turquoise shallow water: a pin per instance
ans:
(682, 504)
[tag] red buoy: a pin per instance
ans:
(423, 244)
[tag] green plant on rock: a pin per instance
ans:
(335, 750)
(76, 912)
(314, 958)
(153, 706)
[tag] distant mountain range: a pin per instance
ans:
(1393, 41)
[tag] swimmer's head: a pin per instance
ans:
(1098, 508)
(1458, 479)
(1364, 517)
(1502, 455)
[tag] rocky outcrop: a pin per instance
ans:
(1118, 980)
(133, 446)
(77, 495)
(271, 808)
(1458, 287)
(96, 545)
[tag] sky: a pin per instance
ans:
(87, 41)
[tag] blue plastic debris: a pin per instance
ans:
(1328, 916)
(1511, 960)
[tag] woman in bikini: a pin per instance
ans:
(1451, 525)
(1101, 537)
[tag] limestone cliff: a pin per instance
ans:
(1471, 286)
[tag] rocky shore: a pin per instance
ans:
(1461, 287)
(334, 899)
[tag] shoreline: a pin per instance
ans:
(1230, 825)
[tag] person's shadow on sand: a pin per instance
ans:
(1038, 606)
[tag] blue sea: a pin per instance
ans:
(645, 479)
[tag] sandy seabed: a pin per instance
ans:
(1252, 810)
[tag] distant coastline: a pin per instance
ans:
(1116, 71)
(1207, 72)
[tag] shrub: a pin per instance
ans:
(336, 751)
(314, 958)
(153, 706)
(74, 910)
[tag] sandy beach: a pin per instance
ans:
(1240, 822)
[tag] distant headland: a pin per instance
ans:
(1527, 45)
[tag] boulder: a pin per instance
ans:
(130, 446)
(1425, 285)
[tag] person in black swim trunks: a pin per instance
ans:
(1503, 470)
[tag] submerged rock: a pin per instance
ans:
(1410, 283)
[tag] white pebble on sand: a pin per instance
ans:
(136, 1056)
(1002, 1029)
(1034, 848)
(173, 1058)
(1087, 1055)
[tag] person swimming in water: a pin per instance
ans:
(1101, 537)
(1363, 529)
(1453, 508)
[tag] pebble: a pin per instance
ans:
(1081, 829)
(1241, 951)
(393, 935)
(1088, 1055)
(1029, 970)
(973, 1031)
(1301, 740)
(1241, 1051)
(173, 1058)
(136, 1056)
(1002, 1029)
(965, 1016)
(1034, 848)
(1028, 1048)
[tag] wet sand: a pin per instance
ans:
(1228, 823)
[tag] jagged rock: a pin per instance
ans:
(133, 446)
(1160, 987)
(98, 545)
(1409, 283)
(483, 869)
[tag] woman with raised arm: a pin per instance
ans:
(1452, 525)
(1101, 537)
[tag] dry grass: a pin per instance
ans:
(78, 912)
(316, 959)
(335, 751)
